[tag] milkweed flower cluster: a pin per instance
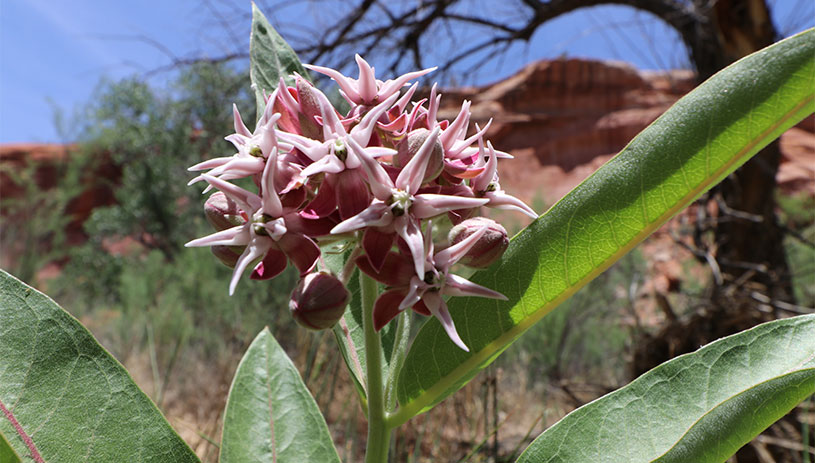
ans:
(378, 176)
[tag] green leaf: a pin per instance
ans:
(7, 454)
(349, 333)
(699, 407)
(270, 414)
(63, 397)
(270, 58)
(694, 145)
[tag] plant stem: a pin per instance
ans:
(378, 430)
(397, 358)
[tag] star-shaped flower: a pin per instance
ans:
(398, 207)
(366, 90)
(271, 232)
(424, 294)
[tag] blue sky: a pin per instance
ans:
(54, 52)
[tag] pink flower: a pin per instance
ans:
(397, 207)
(367, 90)
(268, 233)
(486, 185)
(424, 293)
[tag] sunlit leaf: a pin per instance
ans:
(270, 414)
(694, 145)
(270, 58)
(63, 397)
(699, 407)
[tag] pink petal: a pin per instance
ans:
(409, 231)
(248, 202)
(386, 307)
(431, 205)
(271, 266)
(269, 198)
(410, 179)
(381, 184)
(240, 127)
(415, 287)
(346, 85)
(377, 214)
(438, 308)
(326, 165)
(392, 86)
(362, 132)
(352, 193)
(446, 258)
(235, 236)
(501, 200)
(397, 270)
(366, 84)
(252, 252)
(324, 203)
(302, 251)
(405, 99)
(455, 285)
(377, 245)
(451, 133)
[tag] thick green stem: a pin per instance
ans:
(378, 430)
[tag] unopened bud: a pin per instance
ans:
(309, 109)
(222, 212)
(318, 301)
(410, 147)
(489, 248)
(228, 255)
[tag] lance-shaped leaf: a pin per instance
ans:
(63, 397)
(270, 59)
(699, 407)
(694, 145)
(270, 414)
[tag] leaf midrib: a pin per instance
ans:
(723, 402)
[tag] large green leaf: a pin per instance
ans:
(63, 398)
(699, 407)
(270, 414)
(694, 145)
(270, 57)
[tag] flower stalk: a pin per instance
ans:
(378, 431)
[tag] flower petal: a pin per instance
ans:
(430, 205)
(377, 246)
(500, 200)
(272, 265)
(348, 87)
(410, 178)
(386, 307)
(376, 215)
(409, 230)
(438, 308)
(301, 250)
(455, 285)
(397, 270)
(446, 258)
(254, 250)
(366, 84)
(235, 236)
(352, 193)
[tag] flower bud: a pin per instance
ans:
(222, 212)
(309, 109)
(228, 255)
(489, 248)
(318, 301)
(410, 147)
